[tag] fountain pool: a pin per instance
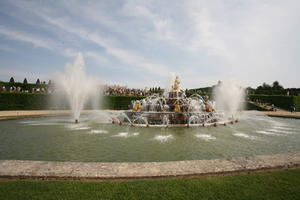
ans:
(59, 139)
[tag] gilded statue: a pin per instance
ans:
(175, 86)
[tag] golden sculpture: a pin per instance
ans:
(177, 108)
(175, 86)
(136, 108)
(208, 108)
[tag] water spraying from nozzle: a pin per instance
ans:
(77, 87)
(229, 97)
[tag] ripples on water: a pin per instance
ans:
(205, 137)
(244, 135)
(163, 138)
(99, 132)
(125, 134)
(266, 133)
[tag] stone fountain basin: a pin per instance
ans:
(16, 169)
(223, 123)
(168, 119)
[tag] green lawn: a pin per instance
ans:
(273, 185)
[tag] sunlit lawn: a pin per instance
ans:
(269, 185)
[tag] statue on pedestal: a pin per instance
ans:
(175, 86)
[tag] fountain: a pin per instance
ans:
(95, 139)
(173, 108)
(77, 87)
(229, 96)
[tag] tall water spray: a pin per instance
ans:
(229, 97)
(169, 83)
(77, 86)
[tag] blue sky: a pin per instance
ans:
(139, 43)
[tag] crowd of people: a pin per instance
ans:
(124, 91)
(106, 90)
(20, 89)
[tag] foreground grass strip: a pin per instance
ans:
(269, 185)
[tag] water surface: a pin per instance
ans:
(59, 139)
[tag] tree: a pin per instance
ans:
(266, 86)
(25, 81)
(38, 82)
(12, 80)
(277, 86)
(264, 89)
(250, 90)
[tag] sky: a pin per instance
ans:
(139, 43)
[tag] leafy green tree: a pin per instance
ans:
(250, 90)
(38, 82)
(266, 86)
(277, 86)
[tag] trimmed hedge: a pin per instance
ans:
(280, 101)
(23, 101)
(119, 102)
(38, 101)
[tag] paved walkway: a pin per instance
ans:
(282, 113)
(16, 113)
(94, 170)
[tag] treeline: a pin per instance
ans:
(265, 89)
(273, 89)
(156, 90)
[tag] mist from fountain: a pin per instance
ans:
(77, 87)
(229, 97)
(169, 83)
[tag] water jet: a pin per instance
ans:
(77, 87)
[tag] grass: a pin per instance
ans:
(269, 185)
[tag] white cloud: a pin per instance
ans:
(34, 40)
(206, 34)
(126, 56)
(204, 40)
(25, 37)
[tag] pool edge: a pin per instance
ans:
(104, 171)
